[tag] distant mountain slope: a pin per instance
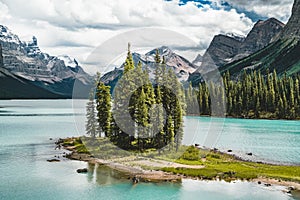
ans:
(52, 73)
(181, 66)
(260, 36)
(225, 49)
(13, 87)
(292, 30)
(283, 54)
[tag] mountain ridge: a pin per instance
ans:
(282, 54)
(181, 66)
(52, 73)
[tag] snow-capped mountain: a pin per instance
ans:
(181, 66)
(26, 60)
(236, 36)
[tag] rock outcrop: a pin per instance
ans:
(221, 50)
(292, 30)
(27, 61)
(260, 36)
(227, 48)
(181, 66)
(282, 54)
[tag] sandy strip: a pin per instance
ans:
(294, 185)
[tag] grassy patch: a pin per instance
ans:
(226, 167)
(216, 164)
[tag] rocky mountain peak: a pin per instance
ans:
(261, 35)
(6, 35)
(227, 48)
(292, 30)
(163, 51)
(27, 61)
(181, 66)
(236, 36)
(221, 50)
(69, 61)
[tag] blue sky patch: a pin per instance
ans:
(225, 6)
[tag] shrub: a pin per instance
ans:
(192, 153)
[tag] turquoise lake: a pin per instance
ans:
(27, 125)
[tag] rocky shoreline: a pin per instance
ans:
(131, 171)
(136, 172)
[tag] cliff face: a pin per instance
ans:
(1, 57)
(282, 54)
(221, 50)
(28, 63)
(225, 49)
(181, 66)
(292, 28)
(261, 35)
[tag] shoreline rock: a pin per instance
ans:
(53, 160)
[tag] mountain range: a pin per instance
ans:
(24, 65)
(269, 45)
(27, 72)
(181, 66)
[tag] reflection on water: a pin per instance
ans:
(26, 174)
(104, 175)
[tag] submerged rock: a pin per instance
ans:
(53, 160)
(84, 170)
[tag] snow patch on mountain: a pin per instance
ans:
(25, 59)
(69, 61)
(181, 66)
(7, 35)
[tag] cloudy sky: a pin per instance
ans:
(77, 27)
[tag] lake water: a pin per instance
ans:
(27, 125)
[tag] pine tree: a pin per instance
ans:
(157, 57)
(129, 63)
(91, 123)
(104, 108)
(141, 118)
(170, 133)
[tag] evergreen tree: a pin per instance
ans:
(104, 109)
(91, 123)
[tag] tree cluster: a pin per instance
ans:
(142, 114)
(253, 95)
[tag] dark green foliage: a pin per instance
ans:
(192, 153)
(282, 55)
(251, 96)
(104, 108)
(91, 123)
(152, 114)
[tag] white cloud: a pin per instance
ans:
(280, 9)
(75, 27)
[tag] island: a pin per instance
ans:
(192, 162)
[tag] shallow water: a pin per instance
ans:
(26, 126)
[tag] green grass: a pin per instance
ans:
(226, 167)
(216, 164)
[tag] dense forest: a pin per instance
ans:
(143, 114)
(253, 95)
